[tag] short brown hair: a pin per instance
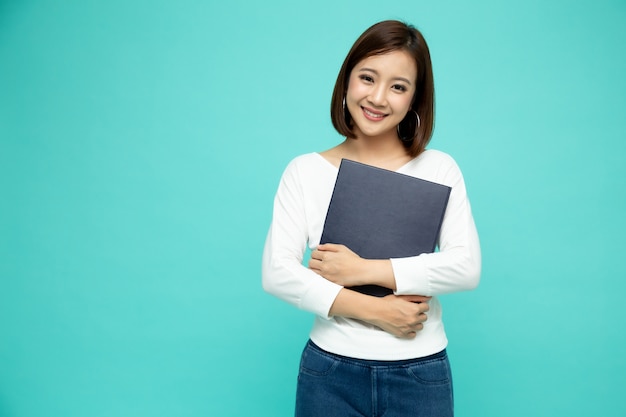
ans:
(381, 38)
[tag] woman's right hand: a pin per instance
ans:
(402, 315)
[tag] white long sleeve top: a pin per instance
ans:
(300, 208)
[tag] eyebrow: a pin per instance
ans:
(376, 72)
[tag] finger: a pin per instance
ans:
(422, 307)
(415, 298)
(411, 333)
(419, 319)
(331, 247)
(315, 264)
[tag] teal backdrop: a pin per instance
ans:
(141, 143)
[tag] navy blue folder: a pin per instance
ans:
(381, 214)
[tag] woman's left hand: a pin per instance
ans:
(337, 263)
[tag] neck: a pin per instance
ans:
(384, 152)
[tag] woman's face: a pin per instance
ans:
(380, 91)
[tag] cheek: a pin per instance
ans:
(401, 106)
(355, 89)
(402, 103)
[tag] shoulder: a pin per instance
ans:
(436, 157)
(436, 166)
(432, 159)
(306, 159)
(304, 163)
(309, 176)
(309, 168)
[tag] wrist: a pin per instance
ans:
(379, 272)
(374, 311)
(355, 305)
(363, 272)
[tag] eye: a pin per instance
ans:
(399, 87)
(366, 78)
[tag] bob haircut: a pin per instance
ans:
(381, 38)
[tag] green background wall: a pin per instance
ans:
(141, 143)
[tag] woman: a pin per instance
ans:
(369, 356)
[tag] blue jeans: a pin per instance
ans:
(330, 385)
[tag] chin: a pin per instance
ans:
(372, 133)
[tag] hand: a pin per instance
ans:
(338, 264)
(403, 315)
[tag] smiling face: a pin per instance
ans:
(380, 91)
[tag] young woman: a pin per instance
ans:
(373, 356)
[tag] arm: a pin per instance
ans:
(285, 277)
(282, 271)
(455, 267)
(337, 263)
(402, 316)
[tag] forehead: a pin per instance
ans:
(393, 63)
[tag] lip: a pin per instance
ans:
(373, 115)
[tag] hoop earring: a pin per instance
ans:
(407, 129)
(346, 113)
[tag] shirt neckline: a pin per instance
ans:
(400, 169)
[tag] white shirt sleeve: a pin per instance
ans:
(457, 265)
(282, 271)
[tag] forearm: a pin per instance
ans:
(445, 272)
(339, 264)
(354, 305)
(377, 272)
(401, 316)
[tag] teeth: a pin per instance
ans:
(376, 115)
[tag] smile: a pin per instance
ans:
(371, 115)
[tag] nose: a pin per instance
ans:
(378, 95)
